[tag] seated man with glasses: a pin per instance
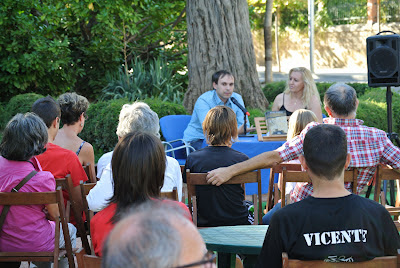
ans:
(154, 234)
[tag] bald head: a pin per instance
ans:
(154, 234)
(341, 99)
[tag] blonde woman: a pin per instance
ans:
(297, 122)
(300, 93)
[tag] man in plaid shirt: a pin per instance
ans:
(368, 146)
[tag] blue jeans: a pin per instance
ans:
(267, 217)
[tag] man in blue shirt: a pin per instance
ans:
(223, 84)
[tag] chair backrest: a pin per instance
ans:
(193, 179)
(77, 210)
(388, 173)
(87, 261)
(302, 176)
(85, 189)
(173, 195)
(273, 191)
(261, 127)
(172, 128)
(40, 198)
(378, 262)
(89, 173)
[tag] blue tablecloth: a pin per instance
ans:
(252, 147)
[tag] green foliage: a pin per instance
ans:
(102, 124)
(273, 89)
(373, 109)
(19, 104)
(56, 46)
(255, 113)
(152, 80)
(34, 52)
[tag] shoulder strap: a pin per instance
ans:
(15, 189)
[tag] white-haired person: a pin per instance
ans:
(300, 93)
(26, 228)
(156, 234)
(136, 117)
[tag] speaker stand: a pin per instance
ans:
(394, 139)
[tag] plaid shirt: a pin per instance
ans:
(368, 147)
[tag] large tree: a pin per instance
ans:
(219, 37)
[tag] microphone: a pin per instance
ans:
(240, 106)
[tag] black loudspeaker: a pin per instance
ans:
(383, 58)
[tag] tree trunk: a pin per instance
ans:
(219, 37)
(372, 10)
(268, 41)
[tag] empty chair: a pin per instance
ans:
(172, 128)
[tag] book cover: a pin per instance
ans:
(277, 123)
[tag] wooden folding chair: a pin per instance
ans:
(302, 176)
(89, 173)
(194, 179)
(85, 189)
(41, 198)
(388, 173)
(378, 262)
(273, 191)
(173, 195)
(87, 261)
(77, 210)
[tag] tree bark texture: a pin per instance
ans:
(219, 37)
(268, 41)
(372, 10)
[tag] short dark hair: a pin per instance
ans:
(216, 76)
(24, 137)
(325, 150)
(138, 166)
(341, 98)
(146, 236)
(72, 106)
(47, 109)
(220, 125)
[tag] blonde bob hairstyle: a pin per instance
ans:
(310, 89)
(298, 121)
(220, 126)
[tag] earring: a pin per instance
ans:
(81, 124)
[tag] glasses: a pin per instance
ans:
(209, 258)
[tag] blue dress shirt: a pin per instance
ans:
(204, 103)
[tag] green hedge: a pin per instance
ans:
(102, 124)
(18, 104)
(373, 109)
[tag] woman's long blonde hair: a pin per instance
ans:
(310, 88)
(298, 121)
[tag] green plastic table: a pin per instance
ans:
(241, 239)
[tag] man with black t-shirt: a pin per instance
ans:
(332, 224)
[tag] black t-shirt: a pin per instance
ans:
(350, 228)
(218, 205)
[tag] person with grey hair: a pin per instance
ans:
(73, 116)
(26, 228)
(133, 117)
(155, 234)
(368, 146)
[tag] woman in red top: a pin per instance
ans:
(138, 166)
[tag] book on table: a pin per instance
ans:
(277, 123)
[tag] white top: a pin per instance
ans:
(100, 194)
